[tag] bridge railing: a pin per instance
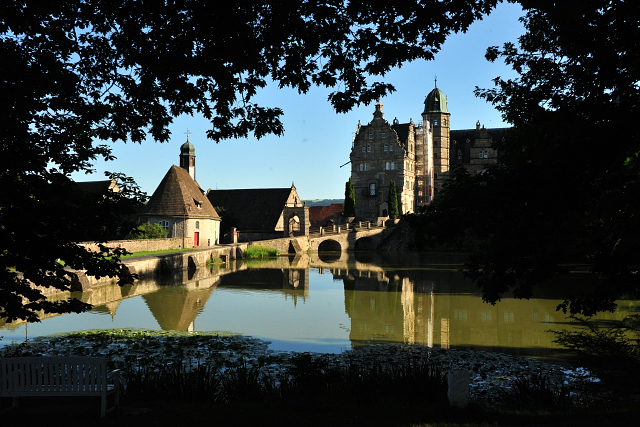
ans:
(345, 228)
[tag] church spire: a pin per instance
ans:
(188, 157)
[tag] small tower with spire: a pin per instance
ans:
(188, 157)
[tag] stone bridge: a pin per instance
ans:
(340, 240)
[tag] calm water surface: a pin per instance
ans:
(329, 303)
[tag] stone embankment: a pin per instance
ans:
(151, 266)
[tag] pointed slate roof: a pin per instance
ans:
(254, 209)
(176, 191)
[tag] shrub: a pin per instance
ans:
(610, 349)
(255, 251)
(148, 231)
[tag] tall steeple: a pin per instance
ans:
(436, 113)
(188, 157)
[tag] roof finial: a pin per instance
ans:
(187, 133)
(436, 79)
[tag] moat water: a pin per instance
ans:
(332, 302)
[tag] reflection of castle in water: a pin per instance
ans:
(438, 307)
(413, 299)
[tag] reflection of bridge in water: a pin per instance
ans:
(425, 301)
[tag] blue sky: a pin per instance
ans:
(317, 140)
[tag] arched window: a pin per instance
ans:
(372, 189)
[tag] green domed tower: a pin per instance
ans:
(437, 115)
(188, 158)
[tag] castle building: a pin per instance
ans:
(417, 157)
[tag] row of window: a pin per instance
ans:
(367, 148)
(382, 135)
(483, 154)
(390, 166)
(165, 224)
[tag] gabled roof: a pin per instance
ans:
(402, 129)
(254, 209)
(318, 215)
(98, 186)
(461, 135)
(177, 195)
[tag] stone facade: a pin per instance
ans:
(381, 153)
(417, 157)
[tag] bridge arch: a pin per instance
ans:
(329, 245)
(365, 244)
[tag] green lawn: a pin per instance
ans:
(146, 253)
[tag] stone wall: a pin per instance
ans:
(181, 263)
(139, 245)
(300, 244)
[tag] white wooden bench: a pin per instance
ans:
(59, 376)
